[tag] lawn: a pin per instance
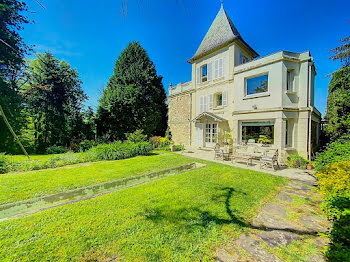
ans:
(178, 218)
(26, 185)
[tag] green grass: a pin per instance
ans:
(27, 185)
(179, 218)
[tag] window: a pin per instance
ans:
(219, 99)
(204, 75)
(243, 59)
(287, 140)
(219, 68)
(256, 85)
(289, 81)
(252, 131)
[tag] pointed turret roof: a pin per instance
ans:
(221, 32)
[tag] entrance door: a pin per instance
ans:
(211, 134)
(199, 134)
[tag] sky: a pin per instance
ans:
(90, 35)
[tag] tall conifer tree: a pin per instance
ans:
(134, 98)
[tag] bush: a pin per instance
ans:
(296, 161)
(334, 184)
(159, 142)
(179, 147)
(335, 152)
(119, 150)
(136, 137)
(56, 150)
(86, 145)
(4, 164)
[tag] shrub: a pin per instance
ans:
(4, 164)
(136, 136)
(296, 161)
(179, 147)
(56, 150)
(159, 142)
(334, 178)
(86, 145)
(335, 152)
(334, 184)
(119, 150)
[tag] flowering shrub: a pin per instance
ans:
(334, 185)
(159, 142)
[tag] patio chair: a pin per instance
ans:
(218, 152)
(270, 161)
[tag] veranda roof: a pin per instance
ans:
(208, 114)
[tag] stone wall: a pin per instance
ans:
(179, 116)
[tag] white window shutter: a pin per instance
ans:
(221, 67)
(201, 104)
(205, 108)
(211, 101)
(198, 75)
(210, 70)
(216, 69)
(224, 98)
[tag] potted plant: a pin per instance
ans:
(309, 166)
(264, 140)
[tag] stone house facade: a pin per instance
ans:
(236, 97)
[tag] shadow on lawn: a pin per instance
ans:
(193, 217)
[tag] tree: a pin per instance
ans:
(342, 52)
(54, 98)
(12, 50)
(133, 99)
(338, 103)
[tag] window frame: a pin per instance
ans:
(255, 94)
(204, 78)
(290, 81)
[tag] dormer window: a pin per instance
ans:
(204, 73)
(243, 59)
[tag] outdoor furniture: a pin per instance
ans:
(236, 156)
(218, 153)
(270, 161)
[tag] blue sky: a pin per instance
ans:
(91, 34)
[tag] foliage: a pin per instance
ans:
(54, 100)
(334, 184)
(134, 98)
(4, 164)
(296, 161)
(86, 145)
(335, 152)
(264, 140)
(12, 51)
(342, 52)
(334, 178)
(338, 104)
(119, 150)
(136, 136)
(56, 150)
(159, 142)
(158, 221)
(179, 147)
(115, 151)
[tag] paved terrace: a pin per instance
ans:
(305, 176)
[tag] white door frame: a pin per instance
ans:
(211, 134)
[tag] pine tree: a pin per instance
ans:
(134, 98)
(12, 50)
(54, 98)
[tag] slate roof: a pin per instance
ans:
(221, 32)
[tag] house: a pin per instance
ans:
(234, 95)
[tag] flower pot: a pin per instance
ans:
(309, 167)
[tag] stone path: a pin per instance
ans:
(285, 229)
